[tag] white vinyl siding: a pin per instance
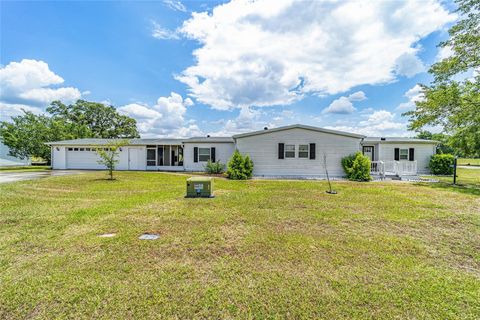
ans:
(263, 149)
(423, 153)
(223, 152)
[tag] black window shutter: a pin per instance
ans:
(281, 148)
(397, 154)
(212, 154)
(195, 154)
(312, 151)
(411, 154)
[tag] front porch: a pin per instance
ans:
(393, 168)
(165, 157)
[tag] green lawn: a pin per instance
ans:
(468, 162)
(468, 181)
(260, 249)
(24, 168)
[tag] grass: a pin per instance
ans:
(468, 162)
(259, 249)
(24, 168)
(468, 181)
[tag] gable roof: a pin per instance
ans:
(299, 126)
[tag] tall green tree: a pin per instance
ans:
(102, 121)
(26, 134)
(452, 100)
(443, 139)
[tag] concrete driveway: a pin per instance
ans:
(20, 176)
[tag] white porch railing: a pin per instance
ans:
(398, 168)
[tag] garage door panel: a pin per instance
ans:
(83, 160)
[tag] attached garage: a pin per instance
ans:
(82, 158)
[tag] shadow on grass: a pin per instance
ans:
(462, 188)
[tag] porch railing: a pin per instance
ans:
(398, 168)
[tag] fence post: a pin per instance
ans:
(455, 170)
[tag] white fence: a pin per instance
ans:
(399, 168)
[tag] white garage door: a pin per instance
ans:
(82, 158)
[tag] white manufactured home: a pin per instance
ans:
(290, 151)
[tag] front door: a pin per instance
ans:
(134, 161)
(368, 151)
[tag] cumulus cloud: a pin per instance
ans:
(344, 105)
(264, 53)
(31, 85)
(377, 123)
(357, 96)
(166, 118)
(413, 94)
(408, 65)
(161, 33)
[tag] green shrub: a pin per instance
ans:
(239, 168)
(441, 164)
(357, 167)
(214, 167)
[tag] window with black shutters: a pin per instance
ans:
(303, 151)
(289, 151)
(203, 154)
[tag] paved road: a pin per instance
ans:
(20, 176)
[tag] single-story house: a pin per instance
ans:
(290, 151)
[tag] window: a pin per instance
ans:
(82, 149)
(289, 151)
(75, 149)
(303, 151)
(203, 154)
(87, 149)
(151, 157)
(70, 149)
(403, 154)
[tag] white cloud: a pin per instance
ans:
(175, 5)
(264, 53)
(166, 118)
(443, 53)
(344, 105)
(341, 105)
(413, 94)
(357, 96)
(408, 64)
(31, 85)
(161, 33)
(378, 123)
(8, 110)
(47, 95)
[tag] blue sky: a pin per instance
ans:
(195, 68)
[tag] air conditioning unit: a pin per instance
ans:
(199, 187)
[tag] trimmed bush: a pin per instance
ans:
(357, 167)
(441, 164)
(214, 167)
(239, 168)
